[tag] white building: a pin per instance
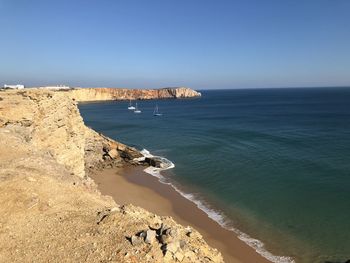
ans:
(18, 86)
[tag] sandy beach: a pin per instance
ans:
(133, 185)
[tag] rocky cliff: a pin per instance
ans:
(96, 94)
(51, 210)
(51, 122)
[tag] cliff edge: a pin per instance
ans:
(52, 211)
(97, 94)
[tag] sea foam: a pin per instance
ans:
(212, 213)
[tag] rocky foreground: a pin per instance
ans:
(51, 210)
(98, 94)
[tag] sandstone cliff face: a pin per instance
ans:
(97, 94)
(53, 124)
(52, 212)
(47, 128)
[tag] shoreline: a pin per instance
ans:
(132, 185)
(46, 155)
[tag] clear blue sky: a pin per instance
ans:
(156, 43)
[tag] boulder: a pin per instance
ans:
(135, 240)
(161, 229)
(164, 239)
(179, 255)
(121, 147)
(168, 257)
(130, 153)
(113, 154)
(150, 236)
(142, 234)
(153, 162)
(172, 246)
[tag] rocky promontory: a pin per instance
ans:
(51, 209)
(97, 94)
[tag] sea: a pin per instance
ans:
(272, 165)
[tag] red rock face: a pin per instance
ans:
(95, 94)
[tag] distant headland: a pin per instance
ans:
(101, 94)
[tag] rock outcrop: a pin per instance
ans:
(51, 210)
(41, 118)
(98, 94)
(51, 122)
(174, 242)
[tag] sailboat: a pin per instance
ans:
(156, 111)
(136, 109)
(130, 106)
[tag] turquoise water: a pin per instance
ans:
(273, 163)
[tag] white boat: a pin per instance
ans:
(156, 111)
(136, 109)
(130, 106)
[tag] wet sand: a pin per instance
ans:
(133, 185)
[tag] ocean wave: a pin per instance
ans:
(212, 213)
(260, 248)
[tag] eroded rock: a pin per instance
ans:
(113, 153)
(150, 236)
(135, 240)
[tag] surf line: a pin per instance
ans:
(158, 164)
